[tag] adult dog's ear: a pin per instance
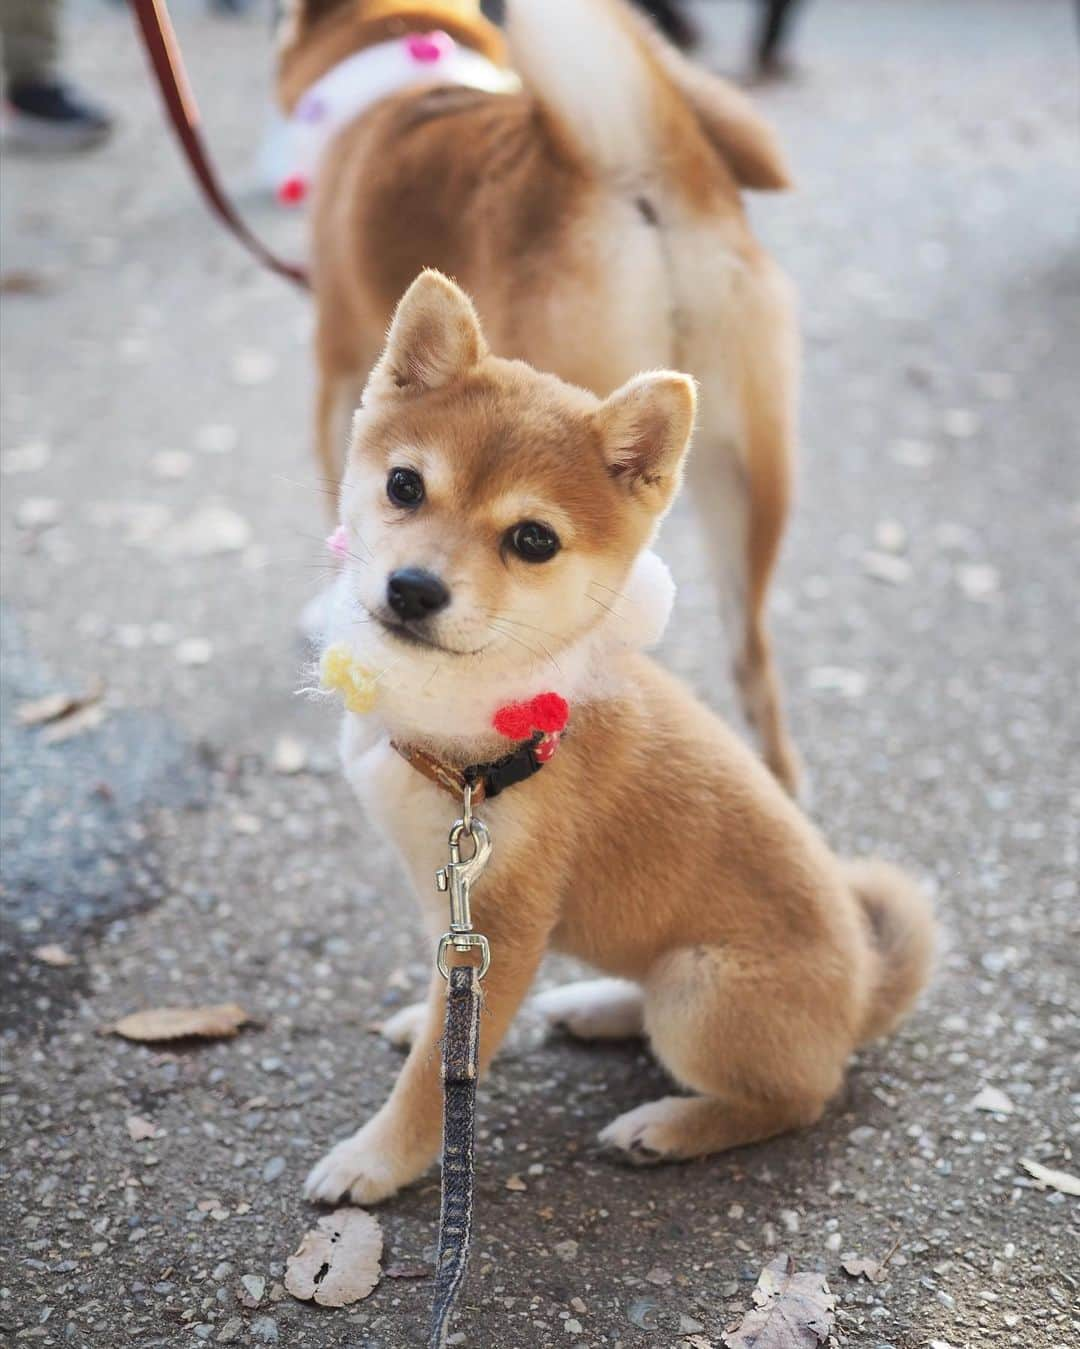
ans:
(645, 430)
(434, 338)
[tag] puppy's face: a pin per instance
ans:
(494, 512)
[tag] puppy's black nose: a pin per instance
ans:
(414, 593)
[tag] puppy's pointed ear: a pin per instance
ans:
(645, 430)
(434, 338)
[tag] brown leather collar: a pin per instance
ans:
(486, 779)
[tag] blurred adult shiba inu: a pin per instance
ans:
(492, 518)
(595, 217)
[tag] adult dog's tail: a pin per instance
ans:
(903, 937)
(623, 96)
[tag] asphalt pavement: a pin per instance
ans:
(193, 843)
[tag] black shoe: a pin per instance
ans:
(47, 117)
(676, 26)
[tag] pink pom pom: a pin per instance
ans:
(293, 190)
(427, 48)
(338, 542)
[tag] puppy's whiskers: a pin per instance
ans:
(316, 486)
(610, 609)
(619, 595)
(542, 654)
(518, 623)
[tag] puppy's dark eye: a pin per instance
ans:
(533, 542)
(405, 487)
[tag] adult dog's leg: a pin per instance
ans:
(336, 400)
(740, 479)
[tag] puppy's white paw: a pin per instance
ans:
(651, 1134)
(357, 1169)
(594, 1009)
(404, 1026)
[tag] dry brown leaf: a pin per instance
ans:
(139, 1129)
(516, 1184)
(794, 1310)
(1046, 1175)
(56, 705)
(66, 728)
(861, 1266)
(177, 1023)
(23, 281)
(54, 955)
(337, 1262)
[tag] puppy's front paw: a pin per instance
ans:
(360, 1169)
(651, 1134)
(403, 1027)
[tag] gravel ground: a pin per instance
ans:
(161, 526)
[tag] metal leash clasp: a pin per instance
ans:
(456, 879)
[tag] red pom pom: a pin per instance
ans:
(513, 721)
(547, 712)
(293, 190)
(550, 712)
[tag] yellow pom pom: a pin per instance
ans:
(356, 684)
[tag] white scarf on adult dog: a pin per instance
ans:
(359, 82)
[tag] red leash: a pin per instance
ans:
(159, 38)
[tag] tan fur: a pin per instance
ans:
(654, 846)
(591, 271)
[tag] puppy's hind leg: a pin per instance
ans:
(595, 1009)
(760, 1063)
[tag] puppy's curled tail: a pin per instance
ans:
(903, 939)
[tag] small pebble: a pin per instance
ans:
(171, 464)
(29, 458)
(977, 580)
(37, 513)
(960, 423)
(194, 651)
(273, 1168)
(253, 1286)
(887, 567)
(216, 438)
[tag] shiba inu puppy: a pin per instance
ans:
(493, 517)
(595, 216)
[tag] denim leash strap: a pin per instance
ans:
(459, 1074)
(460, 1060)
